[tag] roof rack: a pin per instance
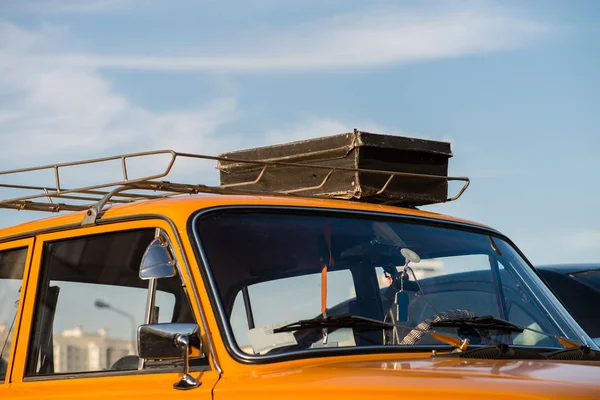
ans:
(56, 198)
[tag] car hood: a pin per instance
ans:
(571, 372)
(440, 377)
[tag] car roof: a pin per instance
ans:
(179, 209)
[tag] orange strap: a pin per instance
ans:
(324, 289)
(327, 232)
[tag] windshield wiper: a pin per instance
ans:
(349, 321)
(489, 322)
(352, 321)
(461, 344)
(484, 322)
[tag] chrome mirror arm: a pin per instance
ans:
(187, 381)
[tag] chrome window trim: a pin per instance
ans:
(43, 231)
(194, 289)
(225, 327)
(109, 373)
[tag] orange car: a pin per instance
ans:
(235, 294)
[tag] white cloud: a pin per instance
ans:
(365, 39)
(65, 113)
(70, 110)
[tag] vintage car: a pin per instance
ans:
(146, 288)
(577, 286)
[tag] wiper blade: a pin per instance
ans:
(349, 321)
(489, 322)
(352, 321)
(485, 322)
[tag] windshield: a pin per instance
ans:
(270, 269)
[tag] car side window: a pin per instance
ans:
(12, 265)
(91, 301)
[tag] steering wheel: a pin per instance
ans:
(417, 333)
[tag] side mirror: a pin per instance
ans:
(172, 341)
(157, 261)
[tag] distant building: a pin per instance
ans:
(4, 343)
(78, 351)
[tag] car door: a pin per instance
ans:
(84, 304)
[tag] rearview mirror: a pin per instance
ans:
(171, 342)
(157, 261)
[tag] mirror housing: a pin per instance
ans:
(172, 341)
(157, 262)
(159, 341)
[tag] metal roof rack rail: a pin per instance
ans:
(93, 198)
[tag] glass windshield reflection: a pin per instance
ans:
(268, 270)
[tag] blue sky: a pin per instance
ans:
(513, 85)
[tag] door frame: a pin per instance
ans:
(28, 306)
(29, 243)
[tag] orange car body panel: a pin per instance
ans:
(348, 377)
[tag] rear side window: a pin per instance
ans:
(12, 265)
